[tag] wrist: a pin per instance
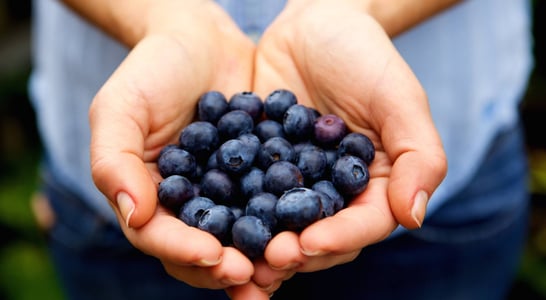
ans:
(129, 21)
(395, 16)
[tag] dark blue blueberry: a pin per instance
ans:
(233, 124)
(267, 129)
(197, 188)
(176, 161)
(212, 106)
(262, 205)
(312, 163)
(329, 130)
(217, 220)
(331, 157)
(250, 235)
(250, 140)
(174, 191)
(327, 205)
(200, 138)
(298, 208)
(167, 148)
(315, 113)
(237, 212)
(233, 157)
(192, 210)
(219, 187)
(350, 175)
(252, 182)
(212, 162)
(358, 145)
(300, 146)
(249, 102)
(298, 123)
(328, 188)
(277, 103)
(275, 149)
(282, 176)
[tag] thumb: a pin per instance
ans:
(117, 164)
(418, 160)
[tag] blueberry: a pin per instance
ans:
(219, 187)
(300, 146)
(217, 220)
(250, 235)
(167, 148)
(249, 102)
(237, 212)
(312, 163)
(233, 157)
(275, 149)
(233, 124)
(212, 162)
(192, 210)
(350, 175)
(298, 208)
(277, 103)
(331, 157)
(176, 161)
(358, 145)
(329, 130)
(174, 191)
(298, 123)
(328, 188)
(250, 140)
(262, 206)
(327, 205)
(267, 129)
(200, 138)
(212, 106)
(252, 182)
(282, 176)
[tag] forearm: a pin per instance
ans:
(122, 19)
(129, 21)
(397, 16)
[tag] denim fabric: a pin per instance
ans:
(456, 255)
(94, 260)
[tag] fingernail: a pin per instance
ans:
(286, 267)
(126, 206)
(209, 263)
(419, 207)
(313, 253)
(267, 288)
(231, 282)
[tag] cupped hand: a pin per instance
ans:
(338, 59)
(185, 52)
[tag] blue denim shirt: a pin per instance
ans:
(473, 60)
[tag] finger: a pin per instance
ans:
(284, 264)
(336, 239)
(247, 291)
(234, 269)
(267, 278)
(412, 143)
(170, 239)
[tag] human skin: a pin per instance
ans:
(349, 67)
(335, 55)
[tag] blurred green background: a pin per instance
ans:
(25, 269)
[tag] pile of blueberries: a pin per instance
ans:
(247, 169)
